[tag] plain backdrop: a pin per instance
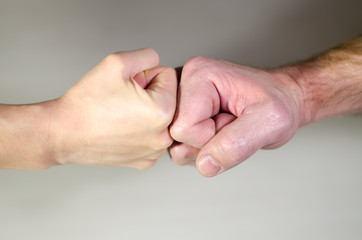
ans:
(311, 188)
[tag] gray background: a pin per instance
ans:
(310, 188)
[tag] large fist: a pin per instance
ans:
(226, 112)
(118, 113)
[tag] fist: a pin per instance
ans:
(118, 113)
(226, 112)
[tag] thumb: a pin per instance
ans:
(144, 78)
(163, 90)
(139, 60)
(235, 142)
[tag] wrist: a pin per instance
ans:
(326, 91)
(309, 81)
(26, 140)
(64, 126)
(315, 90)
(331, 82)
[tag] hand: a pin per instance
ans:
(226, 112)
(108, 118)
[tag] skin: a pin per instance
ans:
(226, 112)
(117, 114)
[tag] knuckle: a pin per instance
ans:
(195, 61)
(114, 58)
(196, 64)
(204, 69)
(178, 131)
(164, 141)
(176, 156)
(167, 143)
(182, 158)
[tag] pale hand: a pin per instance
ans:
(108, 118)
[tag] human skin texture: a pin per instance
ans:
(117, 114)
(226, 112)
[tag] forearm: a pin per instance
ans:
(330, 83)
(25, 137)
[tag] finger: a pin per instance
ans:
(235, 142)
(222, 120)
(183, 154)
(198, 101)
(145, 77)
(137, 61)
(163, 90)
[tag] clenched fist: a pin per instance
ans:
(226, 112)
(117, 114)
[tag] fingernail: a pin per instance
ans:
(208, 166)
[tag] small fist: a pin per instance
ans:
(118, 113)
